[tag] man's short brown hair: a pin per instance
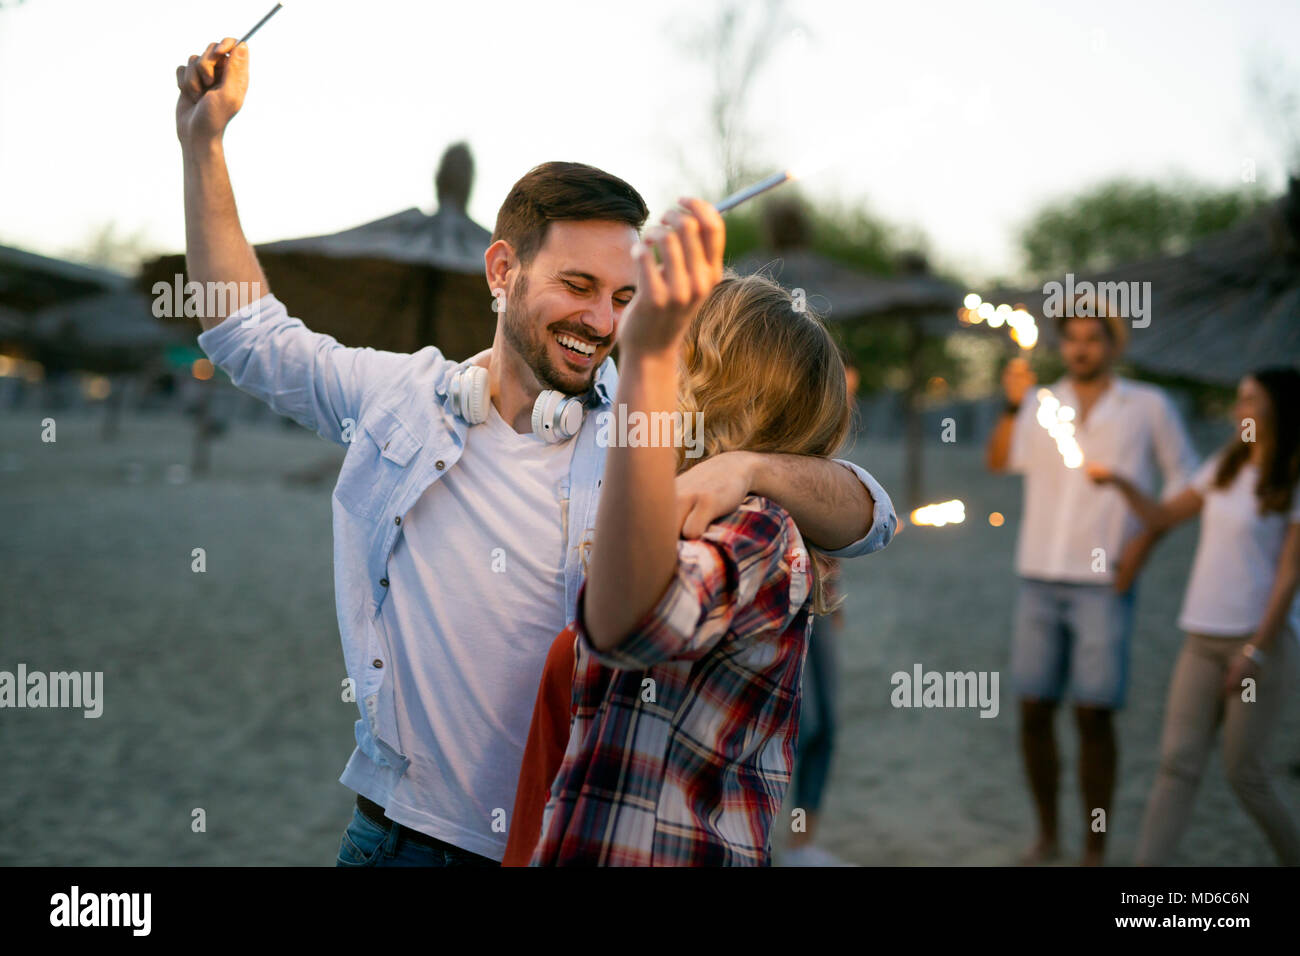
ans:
(1093, 306)
(553, 192)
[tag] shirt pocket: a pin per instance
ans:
(381, 450)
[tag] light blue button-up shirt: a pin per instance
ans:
(393, 414)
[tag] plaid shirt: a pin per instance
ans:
(681, 742)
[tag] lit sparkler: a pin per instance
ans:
(1020, 324)
(1058, 419)
(940, 514)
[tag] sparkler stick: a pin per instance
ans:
(749, 192)
(275, 9)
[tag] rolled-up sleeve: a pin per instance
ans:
(883, 521)
(305, 375)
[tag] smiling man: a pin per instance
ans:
(467, 495)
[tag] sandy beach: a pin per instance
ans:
(222, 689)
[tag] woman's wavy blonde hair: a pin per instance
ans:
(767, 377)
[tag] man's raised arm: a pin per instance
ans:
(212, 88)
(272, 356)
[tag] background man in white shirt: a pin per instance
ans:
(1078, 553)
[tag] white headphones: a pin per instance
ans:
(557, 417)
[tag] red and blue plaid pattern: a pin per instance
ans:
(681, 741)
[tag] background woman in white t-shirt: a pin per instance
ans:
(1235, 667)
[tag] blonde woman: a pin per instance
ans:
(1236, 667)
(686, 656)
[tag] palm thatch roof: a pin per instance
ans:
(111, 332)
(844, 294)
(29, 282)
(1228, 305)
(398, 283)
(447, 240)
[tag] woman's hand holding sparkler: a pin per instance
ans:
(634, 557)
(690, 241)
(212, 88)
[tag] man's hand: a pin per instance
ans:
(1017, 379)
(1098, 473)
(668, 294)
(212, 90)
(711, 490)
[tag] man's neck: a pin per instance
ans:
(513, 386)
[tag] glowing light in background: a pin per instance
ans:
(1020, 324)
(1058, 419)
(201, 369)
(996, 519)
(940, 514)
(96, 387)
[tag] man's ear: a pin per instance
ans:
(497, 262)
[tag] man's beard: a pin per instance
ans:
(1088, 372)
(532, 342)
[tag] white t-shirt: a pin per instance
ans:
(1237, 556)
(476, 599)
(1133, 429)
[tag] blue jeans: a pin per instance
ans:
(816, 743)
(1073, 636)
(366, 843)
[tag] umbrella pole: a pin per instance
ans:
(202, 455)
(112, 410)
(912, 439)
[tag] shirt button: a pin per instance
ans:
(440, 464)
(377, 662)
(397, 520)
(383, 582)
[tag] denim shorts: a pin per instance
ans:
(1072, 638)
(366, 843)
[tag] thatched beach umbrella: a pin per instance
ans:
(922, 303)
(31, 282)
(1229, 304)
(110, 333)
(399, 283)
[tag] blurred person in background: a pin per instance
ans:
(1078, 553)
(817, 716)
(1237, 664)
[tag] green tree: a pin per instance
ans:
(1123, 219)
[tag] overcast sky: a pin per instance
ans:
(956, 118)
